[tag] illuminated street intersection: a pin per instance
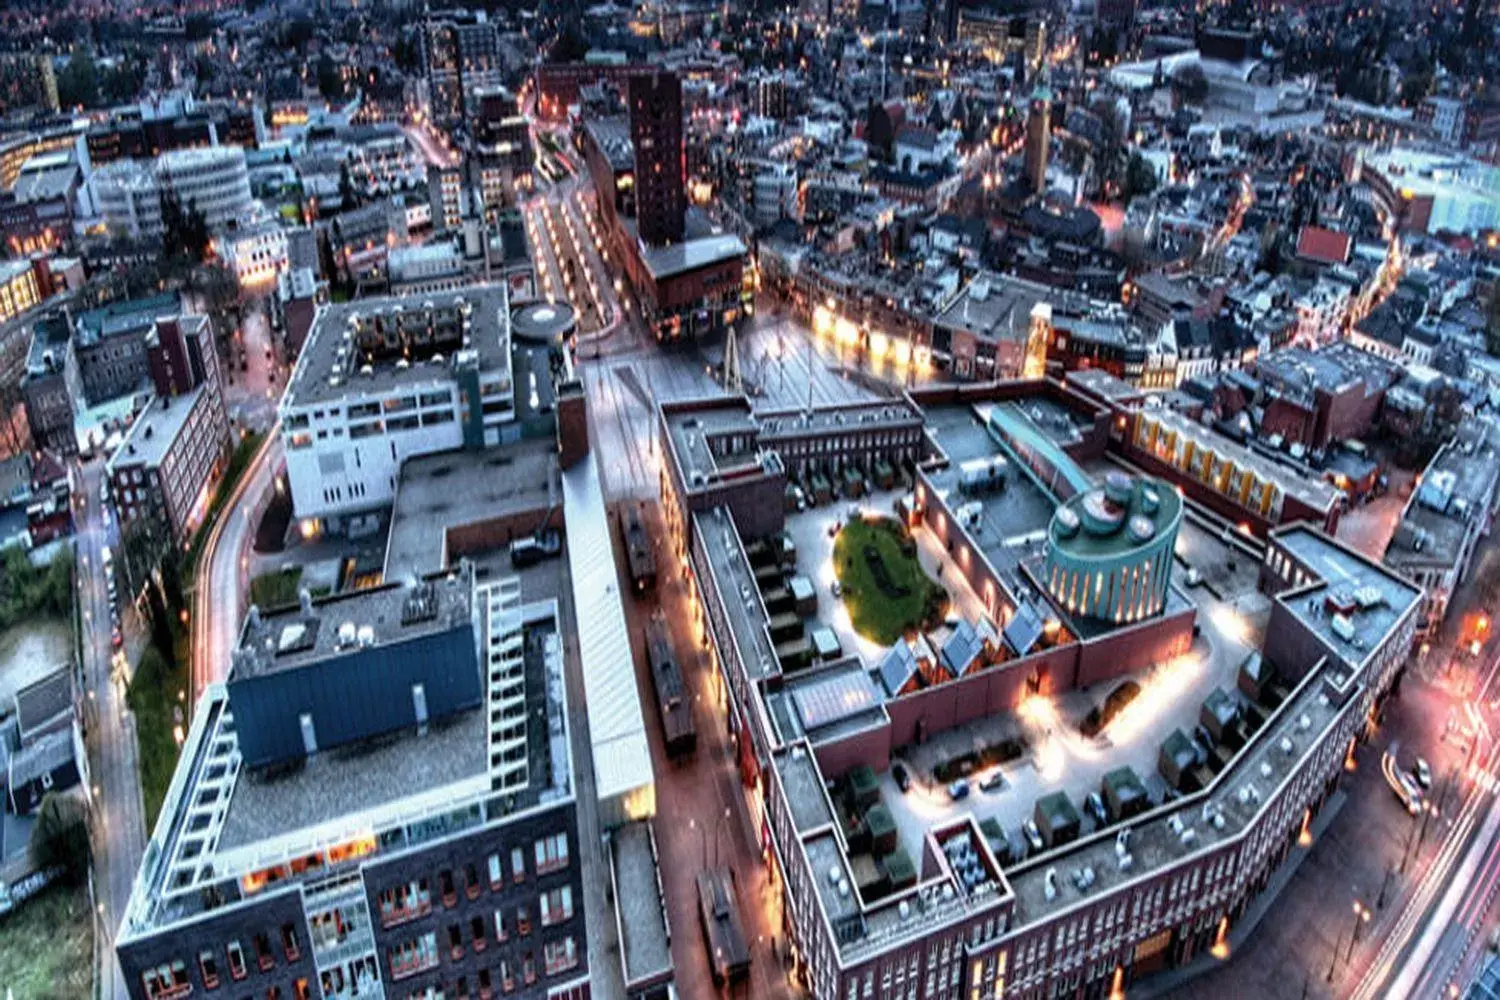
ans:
(1088, 760)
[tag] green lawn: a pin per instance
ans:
(46, 947)
(276, 588)
(153, 697)
(907, 598)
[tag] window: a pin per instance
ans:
(552, 853)
(455, 942)
(414, 956)
(208, 969)
(486, 990)
(528, 969)
(289, 942)
(236, 960)
(301, 991)
(471, 881)
(507, 976)
(560, 956)
(167, 980)
(450, 891)
(404, 902)
(500, 934)
(523, 920)
(496, 876)
(517, 864)
(263, 956)
(557, 906)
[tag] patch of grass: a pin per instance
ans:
(276, 588)
(46, 946)
(884, 585)
(153, 697)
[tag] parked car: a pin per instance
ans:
(1095, 805)
(1033, 835)
(959, 789)
(836, 589)
(993, 782)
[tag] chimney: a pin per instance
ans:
(572, 423)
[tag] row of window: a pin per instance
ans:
(421, 954)
(170, 979)
(558, 956)
(400, 903)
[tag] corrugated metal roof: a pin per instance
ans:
(617, 729)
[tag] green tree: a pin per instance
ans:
(78, 83)
(330, 83)
(880, 132)
(1190, 84)
(60, 838)
(1140, 178)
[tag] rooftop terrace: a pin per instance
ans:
(371, 346)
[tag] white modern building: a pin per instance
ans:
(383, 380)
(1428, 191)
(128, 198)
(213, 180)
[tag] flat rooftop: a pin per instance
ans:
(700, 438)
(372, 346)
(156, 429)
(1013, 520)
(645, 939)
(1237, 795)
(996, 307)
(287, 638)
(351, 779)
(1457, 486)
(827, 703)
(692, 254)
(222, 822)
(436, 493)
(804, 790)
(1316, 493)
(1342, 571)
(743, 605)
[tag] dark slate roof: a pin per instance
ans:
(43, 702)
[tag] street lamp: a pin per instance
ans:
(1361, 917)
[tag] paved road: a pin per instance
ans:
(120, 833)
(223, 569)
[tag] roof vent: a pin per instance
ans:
(347, 634)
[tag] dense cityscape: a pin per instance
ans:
(845, 500)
